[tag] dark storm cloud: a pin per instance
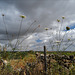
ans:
(45, 12)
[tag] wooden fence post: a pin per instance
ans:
(45, 62)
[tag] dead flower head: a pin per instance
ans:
(69, 39)
(67, 28)
(58, 20)
(46, 28)
(63, 17)
(22, 16)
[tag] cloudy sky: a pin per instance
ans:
(40, 14)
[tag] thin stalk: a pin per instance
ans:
(26, 30)
(62, 39)
(19, 31)
(28, 36)
(63, 36)
(50, 42)
(30, 26)
(5, 28)
(70, 45)
(59, 33)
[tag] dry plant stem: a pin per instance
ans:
(70, 45)
(30, 26)
(50, 42)
(59, 35)
(19, 32)
(10, 43)
(62, 39)
(67, 42)
(49, 39)
(27, 37)
(5, 28)
(26, 30)
(60, 28)
(63, 36)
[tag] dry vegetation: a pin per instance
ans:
(32, 63)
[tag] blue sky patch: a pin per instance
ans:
(38, 40)
(72, 26)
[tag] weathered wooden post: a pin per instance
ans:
(45, 62)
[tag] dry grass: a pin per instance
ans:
(34, 67)
(20, 63)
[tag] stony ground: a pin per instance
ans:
(33, 64)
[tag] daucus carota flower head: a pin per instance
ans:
(58, 20)
(22, 16)
(69, 39)
(2, 14)
(46, 28)
(67, 28)
(63, 17)
(57, 41)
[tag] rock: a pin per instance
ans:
(42, 56)
(67, 65)
(65, 57)
(3, 63)
(63, 60)
(58, 57)
(71, 57)
(31, 65)
(60, 62)
(52, 56)
(37, 54)
(47, 55)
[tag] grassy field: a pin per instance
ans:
(27, 63)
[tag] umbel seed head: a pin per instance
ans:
(67, 28)
(63, 17)
(46, 28)
(69, 39)
(58, 20)
(22, 16)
